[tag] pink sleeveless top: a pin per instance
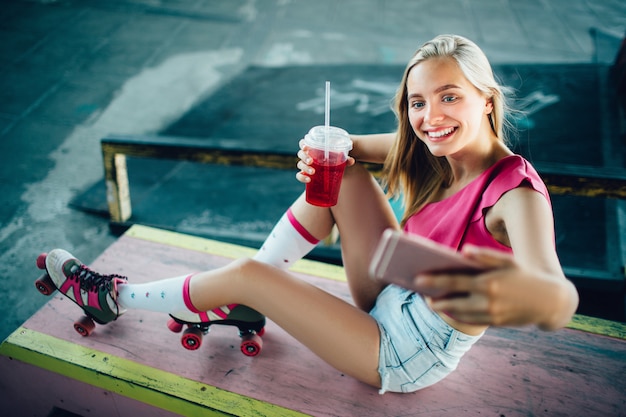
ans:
(460, 218)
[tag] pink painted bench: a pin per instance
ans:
(136, 366)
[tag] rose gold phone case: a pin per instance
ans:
(399, 257)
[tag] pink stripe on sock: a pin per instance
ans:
(303, 232)
(187, 297)
(220, 313)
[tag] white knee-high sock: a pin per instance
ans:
(166, 296)
(288, 242)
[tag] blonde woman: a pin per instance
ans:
(461, 186)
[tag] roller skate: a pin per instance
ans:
(94, 293)
(251, 325)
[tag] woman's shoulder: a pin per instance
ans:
(512, 166)
(514, 171)
(512, 162)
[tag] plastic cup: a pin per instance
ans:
(323, 189)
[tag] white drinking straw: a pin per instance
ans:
(326, 119)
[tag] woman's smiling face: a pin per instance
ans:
(445, 110)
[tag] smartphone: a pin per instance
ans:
(399, 257)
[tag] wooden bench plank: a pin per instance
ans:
(116, 374)
(37, 391)
(560, 178)
(509, 372)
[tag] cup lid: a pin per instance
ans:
(338, 139)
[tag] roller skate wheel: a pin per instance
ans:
(45, 285)
(84, 326)
(192, 338)
(251, 344)
(261, 332)
(174, 326)
(41, 261)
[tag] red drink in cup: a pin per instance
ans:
(323, 190)
(329, 161)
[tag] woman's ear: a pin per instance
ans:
(489, 106)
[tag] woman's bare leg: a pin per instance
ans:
(361, 214)
(344, 336)
(341, 334)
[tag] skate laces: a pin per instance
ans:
(90, 280)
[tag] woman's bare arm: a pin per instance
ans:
(372, 148)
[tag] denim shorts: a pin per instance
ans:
(417, 347)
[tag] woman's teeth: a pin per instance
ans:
(441, 133)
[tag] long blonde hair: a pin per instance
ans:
(410, 169)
